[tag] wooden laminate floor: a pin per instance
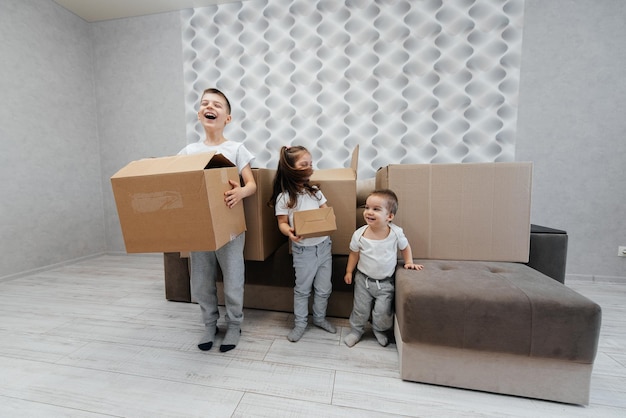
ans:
(98, 339)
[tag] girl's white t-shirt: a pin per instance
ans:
(304, 202)
(236, 152)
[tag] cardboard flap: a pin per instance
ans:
(315, 222)
(354, 163)
(165, 165)
(219, 161)
(334, 174)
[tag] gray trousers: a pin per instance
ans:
(204, 270)
(366, 292)
(313, 266)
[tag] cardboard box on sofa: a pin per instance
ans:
(468, 211)
(339, 187)
(262, 236)
(314, 222)
(173, 204)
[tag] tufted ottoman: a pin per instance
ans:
(495, 326)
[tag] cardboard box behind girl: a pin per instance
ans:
(262, 236)
(339, 187)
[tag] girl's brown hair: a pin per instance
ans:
(290, 179)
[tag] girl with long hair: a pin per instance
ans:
(312, 257)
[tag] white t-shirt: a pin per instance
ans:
(304, 202)
(378, 259)
(236, 152)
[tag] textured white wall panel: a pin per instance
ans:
(409, 81)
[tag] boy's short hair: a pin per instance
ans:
(390, 197)
(219, 93)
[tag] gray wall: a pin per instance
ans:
(140, 99)
(50, 193)
(81, 100)
(572, 125)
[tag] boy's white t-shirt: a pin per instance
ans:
(378, 259)
(236, 152)
(304, 202)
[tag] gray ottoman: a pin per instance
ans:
(495, 326)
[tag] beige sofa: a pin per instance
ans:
(480, 319)
(268, 285)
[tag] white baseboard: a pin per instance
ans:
(590, 278)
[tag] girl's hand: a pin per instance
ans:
(234, 195)
(411, 266)
(293, 237)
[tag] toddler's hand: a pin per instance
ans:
(411, 266)
(348, 278)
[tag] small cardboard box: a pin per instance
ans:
(173, 204)
(262, 236)
(314, 223)
(468, 211)
(339, 187)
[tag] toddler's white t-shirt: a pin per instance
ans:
(378, 259)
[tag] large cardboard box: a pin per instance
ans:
(314, 223)
(173, 204)
(339, 187)
(262, 236)
(473, 211)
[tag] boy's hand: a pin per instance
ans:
(412, 266)
(234, 195)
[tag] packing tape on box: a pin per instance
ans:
(153, 202)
